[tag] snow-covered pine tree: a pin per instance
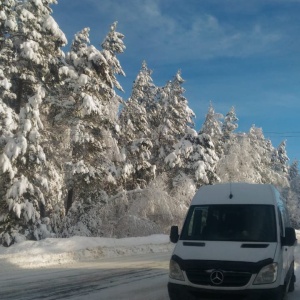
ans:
(249, 160)
(136, 119)
(8, 124)
(34, 38)
(292, 194)
(293, 203)
(23, 164)
(194, 155)
(112, 45)
(280, 159)
(237, 164)
(174, 117)
(89, 107)
(294, 170)
(8, 29)
(37, 44)
(212, 126)
(133, 121)
(144, 90)
(229, 125)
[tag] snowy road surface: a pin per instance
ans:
(140, 274)
(137, 277)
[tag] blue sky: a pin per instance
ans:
(237, 53)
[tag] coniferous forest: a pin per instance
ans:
(78, 159)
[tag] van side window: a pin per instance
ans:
(285, 214)
(281, 204)
(197, 221)
(280, 222)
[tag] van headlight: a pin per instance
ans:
(267, 274)
(174, 271)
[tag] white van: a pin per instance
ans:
(236, 241)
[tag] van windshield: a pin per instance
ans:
(251, 223)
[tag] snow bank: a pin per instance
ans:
(53, 251)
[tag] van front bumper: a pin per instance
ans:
(185, 292)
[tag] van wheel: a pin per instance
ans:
(292, 284)
(280, 295)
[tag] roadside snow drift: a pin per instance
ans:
(53, 251)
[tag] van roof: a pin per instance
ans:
(241, 193)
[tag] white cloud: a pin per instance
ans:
(159, 29)
(207, 38)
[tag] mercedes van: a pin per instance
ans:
(236, 241)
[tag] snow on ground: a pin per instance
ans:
(53, 251)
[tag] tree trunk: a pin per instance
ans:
(69, 200)
(19, 102)
(42, 210)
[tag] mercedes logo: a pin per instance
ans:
(217, 277)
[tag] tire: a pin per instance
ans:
(292, 284)
(279, 295)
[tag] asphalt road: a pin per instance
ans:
(135, 277)
(139, 277)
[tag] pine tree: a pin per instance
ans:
(134, 117)
(8, 30)
(136, 121)
(195, 156)
(281, 158)
(112, 45)
(261, 155)
(37, 43)
(31, 44)
(143, 90)
(133, 121)
(8, 124)
(23, 163)
(292, 194)
(249, 160)
(174, 118)
(212, 126)
(89, 107)
(294, 170)
(229, 124)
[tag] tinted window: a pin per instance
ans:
(252, 223)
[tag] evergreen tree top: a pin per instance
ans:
(114, 40)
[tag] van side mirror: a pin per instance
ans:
(290, 237)
(174, 235)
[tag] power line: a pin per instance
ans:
(284, 134)
(287, 136)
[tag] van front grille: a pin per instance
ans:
(229, 279)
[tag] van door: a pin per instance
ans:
(287, 251)
(284, 249)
